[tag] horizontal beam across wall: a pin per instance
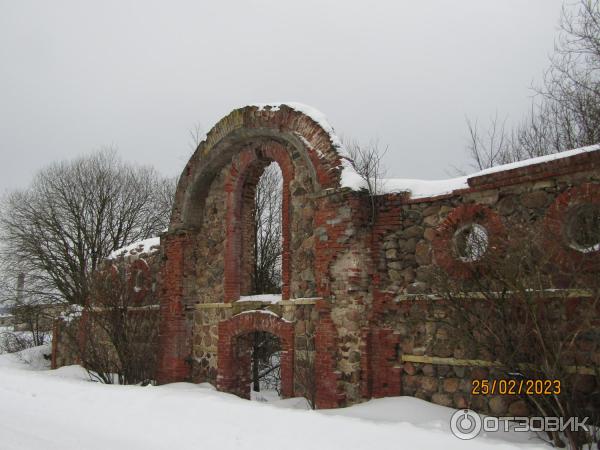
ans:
(129, 308)
(548, 293)
(258, 303)
(422, 359)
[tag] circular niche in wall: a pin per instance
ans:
(582, 227)
(470, 242)
(467, 236)
(573, 228)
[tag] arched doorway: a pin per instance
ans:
(250, 342)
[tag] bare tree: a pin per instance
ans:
(266, 367)
(565, 113)
(367, 161)
(73, 215)
(489, 148)
(573, 79)
(163, 194)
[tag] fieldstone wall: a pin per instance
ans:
(408, 250)
(415, 239)
(415, 329)
(208, 249)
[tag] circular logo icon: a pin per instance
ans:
(465, 424)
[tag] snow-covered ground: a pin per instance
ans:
(62, 409)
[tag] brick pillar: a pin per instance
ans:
(366, 371)
(55, 338)
(328, 394)
(82, 330)
(386, 371)
(286, 254)
(226, 377)
(173, 351)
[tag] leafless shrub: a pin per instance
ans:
(117, 333)
(197, 135)
(13, 342)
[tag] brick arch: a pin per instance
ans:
(228, 379)
(308, 156)
(301, 136)
(240, 187)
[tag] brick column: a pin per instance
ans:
(173, 351)
(55, 338)
(327, 376)
(386, 372)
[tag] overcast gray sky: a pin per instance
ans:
(77, 75)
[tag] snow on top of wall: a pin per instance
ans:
(307, 110)
(433, 188)
(538, 160)
(417, 188)
(147, 246)
(314, 114)
(423, 188)
(270, 298)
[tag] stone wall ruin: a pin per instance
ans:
(353, 291)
